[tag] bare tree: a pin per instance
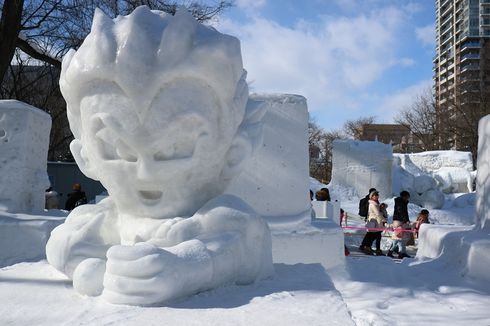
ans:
(421, 118)
(353, 128)
(320, 145)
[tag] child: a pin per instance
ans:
(422, 218)
(398, 240)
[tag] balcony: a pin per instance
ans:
(471, 45)
(470, 56)
(485, 22)
(470, 67)
(447, 39)
(445, 21)
(446, 10)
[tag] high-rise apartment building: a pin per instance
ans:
(461, 68)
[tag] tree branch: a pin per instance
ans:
(34, 53)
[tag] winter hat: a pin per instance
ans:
(372, 193)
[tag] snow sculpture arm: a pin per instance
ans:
(88, 232)
(224, 242)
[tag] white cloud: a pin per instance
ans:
(328, 62)
(392, 104)
(250, 5)
(426, 35)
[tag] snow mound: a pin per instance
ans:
(23, 237)
(275, 180)
(24, 141)
(362, 165)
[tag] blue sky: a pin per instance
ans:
(349, 58)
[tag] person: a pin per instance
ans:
(400, 211)
(322, 195)
(364, 205)
(51, 199)
(422, 218)
(327, 194)
(398, 240)
(375, 220)
(384, 212)
(75, 198)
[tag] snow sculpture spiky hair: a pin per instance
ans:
(145, 50)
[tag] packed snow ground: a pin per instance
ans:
(368, 291)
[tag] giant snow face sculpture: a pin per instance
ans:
(158, 107)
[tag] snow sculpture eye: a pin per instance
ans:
(125, 152)
(111, 147)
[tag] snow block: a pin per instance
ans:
(457, 247)
(452, 171)
(483, 175)
(362, 165)
(24, 239)
(275, 180)
(24, 141)
(318, 241)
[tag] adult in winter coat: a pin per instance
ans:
(75, 198)
(375, 219)
(400, 212)
(364, 205)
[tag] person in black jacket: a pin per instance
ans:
(75, 198)
(400, 212)
(364, 205)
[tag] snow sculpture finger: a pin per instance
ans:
(159, 108)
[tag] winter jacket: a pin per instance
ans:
(397, 230)
(400, 212)
(75, 199)
(375, 216)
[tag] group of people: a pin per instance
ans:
(376, 218)
(75, 198)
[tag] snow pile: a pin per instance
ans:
(483, 175)
(275, 180)
(466, 248)
(452, 170)
(23, 237)
(24, 141)
(159, 108)
(362, 165)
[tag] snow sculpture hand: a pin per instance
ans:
(145, 275)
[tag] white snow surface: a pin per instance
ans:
(24, 141)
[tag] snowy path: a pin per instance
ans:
(36, 294)
(379, 292)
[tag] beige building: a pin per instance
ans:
(397, 135)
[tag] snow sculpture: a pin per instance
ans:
(158, 107)
(453, 170)
(24, 141)
(424, 192)
(483, 175)
(275, 181)
(454, 179)
(363, 165)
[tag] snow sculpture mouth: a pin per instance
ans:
(150, 196)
